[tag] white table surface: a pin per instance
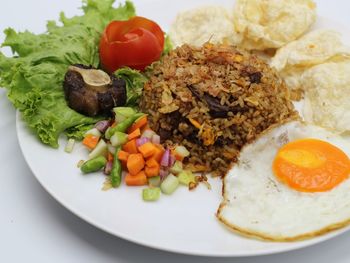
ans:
(36, 228)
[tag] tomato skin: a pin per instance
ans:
(135, 43)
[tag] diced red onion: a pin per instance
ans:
(108, 168)
(102, 126)
(165, 158)
(172, 160)
(142, 141)
(156, 139)
(163, 173)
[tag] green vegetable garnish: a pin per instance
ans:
(168, 45)
(151, 194)
(186, 177)
(123, 126)
(176, 168)
(154, 181)
(93, 165)
(134, 84)
(170, 184)
(122, 113)
(69, 146)
(34, 76)
(118, 138)
(116, 173)
(100, 149)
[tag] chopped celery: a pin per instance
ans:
(154, 181)
(176, 168)
(118, 139)
(70, 145)
(169, 185)
(186, 177)
(100, 149)
(108, 133)
(148, 134)
(93, 132)
(111, 149)
(122, 113)
(181, 151)
(151, 194)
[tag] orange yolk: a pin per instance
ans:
(311, 165)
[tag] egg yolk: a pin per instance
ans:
(311, 165)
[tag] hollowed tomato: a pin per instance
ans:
(135, 43)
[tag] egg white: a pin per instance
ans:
(257, 204)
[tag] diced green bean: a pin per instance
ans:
(123, 126)
(116, 173)
(93, 165)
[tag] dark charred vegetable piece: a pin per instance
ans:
(91, 91)
(175, 119)
(255, 77)
(216, 109)
(164, 135)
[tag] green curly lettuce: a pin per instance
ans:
(168, 45)
(134, 84)
(33, 76)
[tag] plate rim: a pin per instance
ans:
(243, 253)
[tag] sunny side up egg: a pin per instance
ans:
(290, 184)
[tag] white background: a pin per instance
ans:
(35, 228)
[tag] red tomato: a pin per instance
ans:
(135, 43)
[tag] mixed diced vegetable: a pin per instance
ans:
(126, 149)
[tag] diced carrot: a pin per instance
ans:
(178, 157)
(152, 167)
(158, 153)
(147, 149)
(134, 134)
(91, 141)
(123, 156)
(151, 162)
(114, 124)
(124, 166)
(130, 147)
(139, 124)
(135, 163)
(152, 171)
(110, 157)
(136, 180)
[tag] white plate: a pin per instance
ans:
(184, 222)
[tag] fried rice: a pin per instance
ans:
(213, 100)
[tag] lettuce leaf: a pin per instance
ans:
(134, 84)
(168, 45)
(33, 76)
